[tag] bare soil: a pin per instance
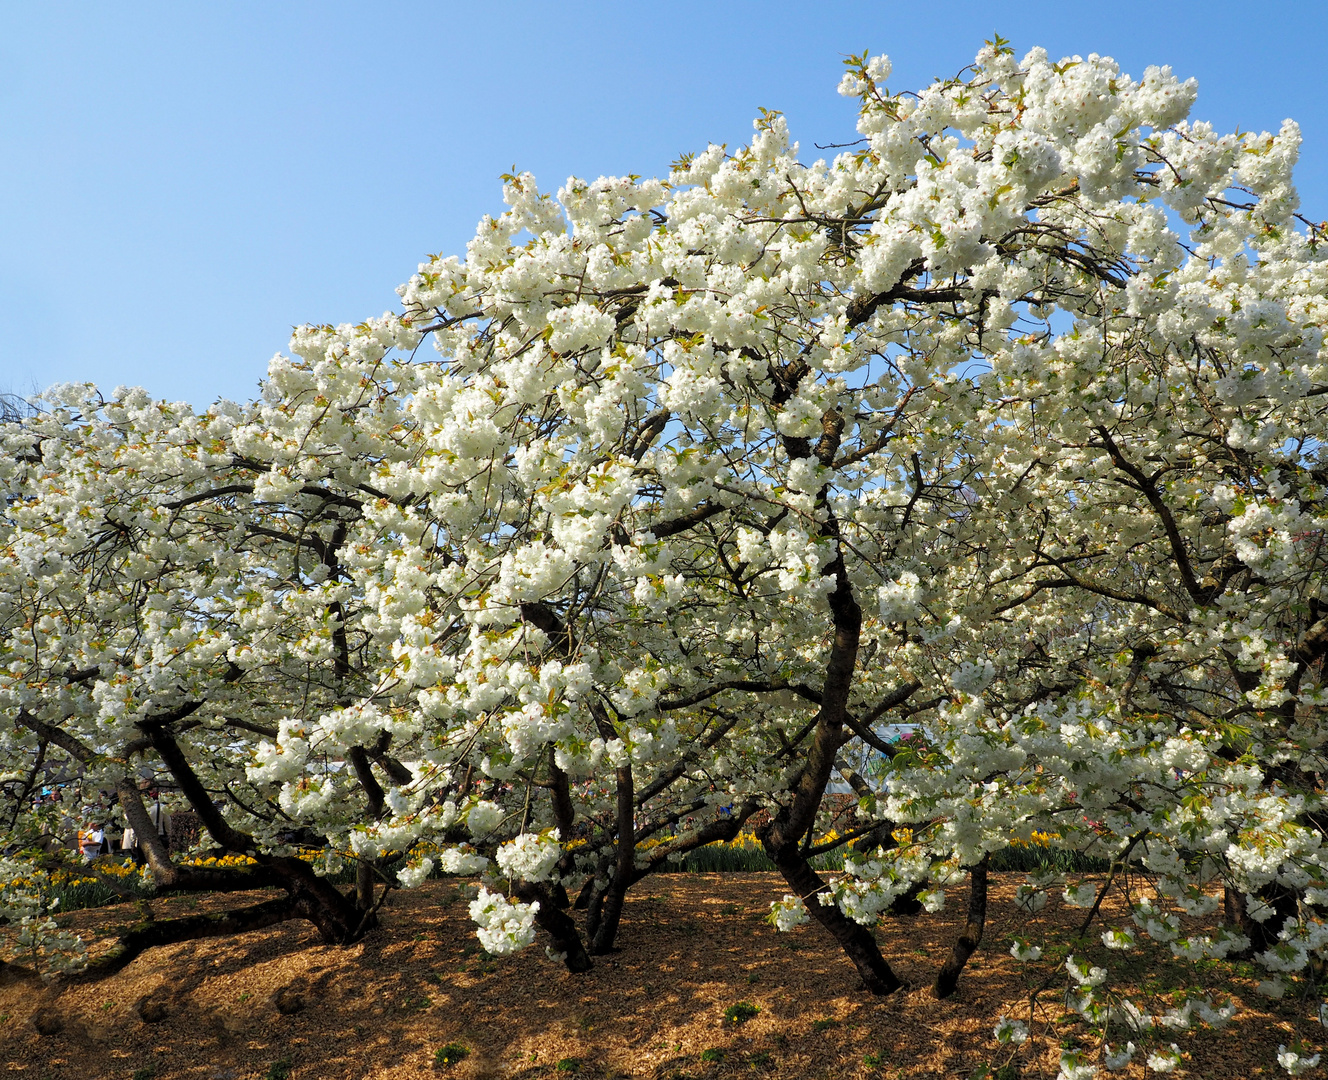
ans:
(691, 947)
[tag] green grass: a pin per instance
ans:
(279, 1069)
(96, 894)
(451, 1054)
(718, 858)
(741, 1012)
(1035, 858)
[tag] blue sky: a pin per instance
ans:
(181, 183)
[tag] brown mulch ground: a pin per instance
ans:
(692, 945)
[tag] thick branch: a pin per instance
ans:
(684, 522)
(150, 935)
(66, 742)
(192, 788)
(1149, 489)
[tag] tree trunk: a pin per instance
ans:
(623, 870)
(1262, 935)
(855, 939)
(974, 923)
(335, 914)
(553, 919)
(364, 885)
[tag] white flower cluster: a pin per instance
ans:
(504, 927)
(1022, 950)
(788, 913)
(462, 861)
(415, 873)
(1009, 1031)
(530, 857)
(1296, 1062)
(1164, 1059)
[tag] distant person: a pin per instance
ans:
(92, 841)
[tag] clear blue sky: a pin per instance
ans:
(181, 183)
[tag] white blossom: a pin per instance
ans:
(788, 913)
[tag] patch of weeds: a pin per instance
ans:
(741, 1012)
(1008, 1071)
(147, 1072)
(586, 1023)
(246, 996)
(824, 1025)
(873, 1060)
(712, 1053)
(279, 1070)
(753, 978)
(570, 1065)
(729, 909)
(761, 1060)
(451, 1054)
(420, 1003)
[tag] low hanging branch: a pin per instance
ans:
(155, 933)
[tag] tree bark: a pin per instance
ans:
(781, 837)
(335, 915)
(855, 939)
(151, 934)
(364, 885)
(553, 919)
(974, 923)
(623, 870)
(1262, 935)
